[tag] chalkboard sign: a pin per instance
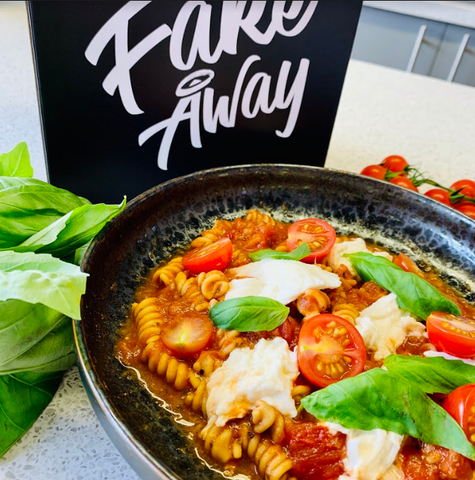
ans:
(135, 93)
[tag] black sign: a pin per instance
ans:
(135, 93)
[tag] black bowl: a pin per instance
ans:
(160, 221)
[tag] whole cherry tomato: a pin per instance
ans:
(467, 208)
(395, 163)
(319, 235)
(459, 405)
(466, 187)
(452, 334)
(216, 256)
(330, 349)
(440, 195)
(404, 182)
(374, 171)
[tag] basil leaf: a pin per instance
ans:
(249, 314)
(23, 324)
(41, 278)
(16, 163)
(27, 209)
(431, 374)
(55, 352)
(377, 399)
(71, 231)
(413, 293)
(23, 397)
(300, 252)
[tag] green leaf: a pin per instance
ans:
(41, 278)
(413, 293)
(377, 399)
(55, 352)
(249, 314)
(22, 325)
(16, 163)
(23, 397)
(28, 208)
(300, 252)
(431, 374)
(71, 231)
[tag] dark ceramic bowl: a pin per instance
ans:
(169, 216)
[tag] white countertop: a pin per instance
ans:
(382, 112)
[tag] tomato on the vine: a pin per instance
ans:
(319, 235)
(395, 163)
(330, 349)
(188, 334)
(216, 256)
(374, 171)
(466, 187)
(404, 182)
(459, 405)
(452, 334)
(467, 209)
(440, 195)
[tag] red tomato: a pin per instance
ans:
(440, 195)
(330, 349)
(467, 209)
(466, 187)
(452, 334)
(374, 171)
(212, 257)
(459, 405)
(395, 163)
(316, 454)
(404, 182)
(408, 265)
(188, 334)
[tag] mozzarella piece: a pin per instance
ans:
(265, 372)
(432, 353)
(384, 326)
(335, 257)
(281, 280)
(370, 454)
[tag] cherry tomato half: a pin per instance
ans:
(319, 235)
(466, 187)
(467, 209)
(407, 264)
(404, 182)
(374, 171)
(452, 334)
(459, 405)
(395, 163)
(440, 195)
(330, 349)
(188, 334)
(216, 256)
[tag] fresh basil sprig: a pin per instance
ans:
(378, 399)
(302, 251)
(249, 314)
(413, 293)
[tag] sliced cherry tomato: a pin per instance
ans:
(440, 195)
(395, 163)
(467, 209)
(459, 405)
(330, 349)
(408, 265)
(374, 171)
(216, 256)
(188, 334)
(404, 182)
(319, 235)
(466, 187)
(452, 334)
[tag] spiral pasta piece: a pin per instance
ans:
(256, 216)
(147, 319)
(265, 417)
(347, 311)
(313, 301)
(213, 284)
(219, 230)
(166, 275)
(221, 443)
(228, 340)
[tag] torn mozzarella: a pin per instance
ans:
(336, 256)
(384, 326)
(281, 280)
